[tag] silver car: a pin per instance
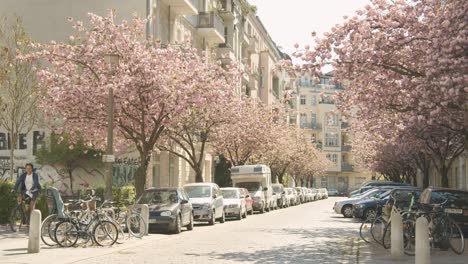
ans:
(234, 203)
(345, 206)
(207, 202)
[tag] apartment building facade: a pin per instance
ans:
(319, 117)
(226, 30)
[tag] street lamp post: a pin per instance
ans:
(112, 60)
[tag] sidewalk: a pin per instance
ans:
(13, 249)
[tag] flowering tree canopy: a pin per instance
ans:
(151, 85)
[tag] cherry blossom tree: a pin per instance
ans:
(246, 137)
(188, 134)
(152, 85)
(404, 66)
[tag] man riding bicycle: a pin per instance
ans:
(29, 186)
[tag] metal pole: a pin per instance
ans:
(110, 146)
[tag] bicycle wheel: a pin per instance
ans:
(378, 228)
(365, 230)
(105, 233)
(455, 237)
(47, 230)
(66, 234)
(16, 218)
(136, 225)
(386, 238)
(409, 237)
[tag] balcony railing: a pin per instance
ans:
(346, 148)
(212, 26)
(346, 167)
(227, 6)
(183, 7)
(311, 125)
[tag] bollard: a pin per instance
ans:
(396, 236)
(423, 250)
(145, 215)
(34, 231)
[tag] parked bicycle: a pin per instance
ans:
(19, 216)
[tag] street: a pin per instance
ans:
(308, 233)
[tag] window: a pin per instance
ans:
(303, 119)
(276, 88)
(324, 182)
(303, 99)
(314, 100)
(333, 158)
(331, 119)
(313, 118)
(331, 140)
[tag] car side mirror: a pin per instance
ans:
(284, 192)
(184, 202)
(247, 196)
(215, 196)
(265, 189)
(242, 196)
(274, 193)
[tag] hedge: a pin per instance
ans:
(8, 201)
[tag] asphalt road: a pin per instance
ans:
(308, 233)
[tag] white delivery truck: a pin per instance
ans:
(257, 180)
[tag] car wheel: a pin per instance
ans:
(251, 212)
(245, 212)
(212, 218)
(369, 213)
(347, 211)
(263, 209)
(190, 226)
(223, 218)
(178, 225)
(239, 216)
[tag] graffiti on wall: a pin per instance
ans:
(124, 171)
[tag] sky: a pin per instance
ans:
(292, 21)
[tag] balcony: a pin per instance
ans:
(346, 167)
(225, 53)
(315, 126)
(183, 7)
(211, 27)
(346, 148)
(227, 9)
(252, 47)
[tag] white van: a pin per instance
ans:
(257, 180)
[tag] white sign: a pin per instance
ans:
(108, 158)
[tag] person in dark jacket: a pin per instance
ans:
(29, 186)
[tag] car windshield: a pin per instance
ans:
(230, 194)
(276, 189)
(459, 199)
(250, 186)
(198, 191)
(158, 197)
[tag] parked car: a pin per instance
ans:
(278, 191)
(248, 201)
(257, 180)
(455, 203)
(333, 192)
(314, 193)
(234, 203)
(169, 209)
(207, 202)
(324, 193)
(309, 195)
(301, 195)
(368, 208)
(372, 184)
(291, 196)
(345, 207)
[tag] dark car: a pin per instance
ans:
(373, 184)
(368, 208)
(169, 209)
(455, 203)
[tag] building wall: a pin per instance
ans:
(319, 116)
(46, 20)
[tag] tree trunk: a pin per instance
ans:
(280, 179)
(444, 174)
(140, 176)
(12, 165)
(199, 174)
(425, 178)
(71, 180)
